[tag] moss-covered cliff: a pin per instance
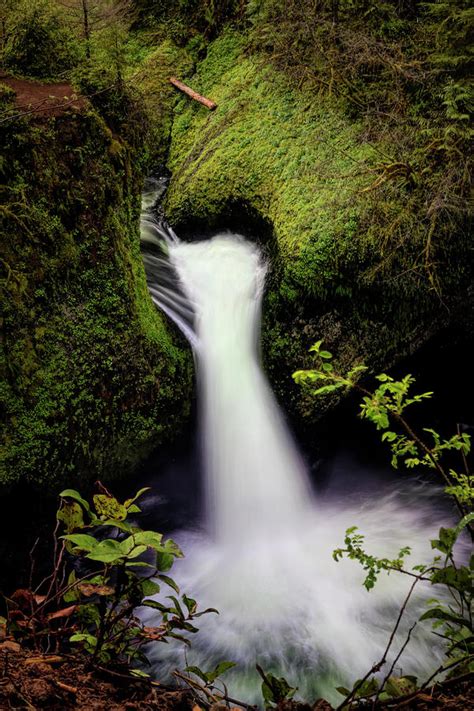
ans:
(345, 231)
(93, 378)
(336, 157)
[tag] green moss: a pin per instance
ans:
(159, 95)
(346, 257)
(264, 147)
(93, 379)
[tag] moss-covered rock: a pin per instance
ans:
(159, 96)
(93, 378)
(344, 232)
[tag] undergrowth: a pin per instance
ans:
(451, 572)
(105, 568)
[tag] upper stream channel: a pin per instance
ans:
(258, 546)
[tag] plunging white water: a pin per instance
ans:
(256, 481)
(264, 556)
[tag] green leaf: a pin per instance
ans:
(197, 672)
(191, 604)
(267, 694)
(223, 667)
(89, 639)
(155, 605)
(149, 587)
(121, 525)
(73, 494)
(82, 541)
(211, 676)
(131, 547)
(206, 612)
(169, 581)
(137, 551)
(131, 501)
(141, 674)
(399, 686)
(328, 388)
(108, 551)
(71, 515)
(439, 613)
(188, 627)
(139, 564)
(367, 688)
(171, 547)
(389, 436)
(127, 544)
(176, 609)
(277, 689)
(446, 541)
(465, 521)
(133, 508)
(325, 354)
(355, 371)
(108, 507)
(71, 595)
(300, 376)
(164, 561)
(149, 538)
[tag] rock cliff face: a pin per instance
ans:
(300, 174)
(93, 377)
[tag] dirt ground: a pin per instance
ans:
(43, 99)
(32, 681)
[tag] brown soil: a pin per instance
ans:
(452, 697)
(33, 97)
(33, 681)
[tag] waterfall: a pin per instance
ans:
(256, 480)
(263, 556)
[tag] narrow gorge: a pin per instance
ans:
(237, 307)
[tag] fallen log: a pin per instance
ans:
(211, 105)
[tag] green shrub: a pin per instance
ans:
(451, 615)
(104, 568)
(38, 43)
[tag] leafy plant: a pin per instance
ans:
(275, 690)
(354, 550)
(210, 677)
(105, 567)
(384, 407)
(204, 685)
(452, 615)
(452, 621)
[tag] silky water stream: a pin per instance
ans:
(263, 555)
